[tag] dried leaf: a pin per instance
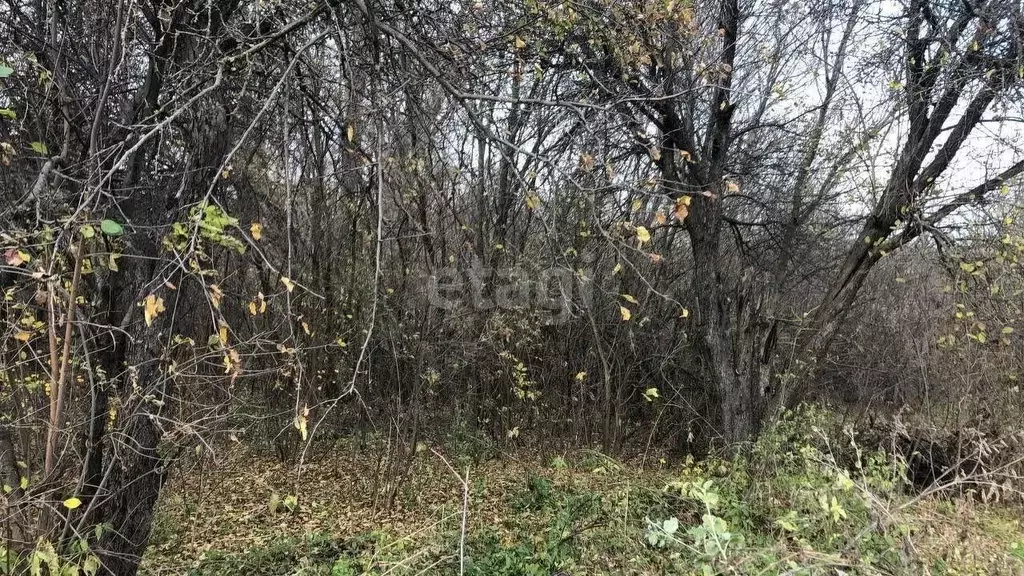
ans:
(681, 209)
(153, 305)
(216, 294)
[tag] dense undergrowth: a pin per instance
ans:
(806, 498)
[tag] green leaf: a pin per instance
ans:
(8, 113)
(788, 522)
(5, 71)
(39, 147)
(87, 231)
(111, 228)
(670, 526)
(91, 565)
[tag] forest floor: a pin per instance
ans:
(579, 512)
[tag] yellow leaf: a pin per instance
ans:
(256, 229)
(222, 334)
(580, 376)
(231, 361)
(72, 503)
(520, 43)
(731, 187)
(288, 284)
(153, 306)
(22, 336)
(625, 313)
(112, 262)
(532, 201)
(252, 308)
(305, 328)
(642, 235)
(629, 298)
(680, 211)
(350, 132)
(617, 269)
(684, 313)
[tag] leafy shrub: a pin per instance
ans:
(469, 445)
(536, 495)
(788, 492)
(542, 544)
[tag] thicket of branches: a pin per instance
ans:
(592, 221)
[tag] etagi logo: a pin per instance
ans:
(560, 291)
